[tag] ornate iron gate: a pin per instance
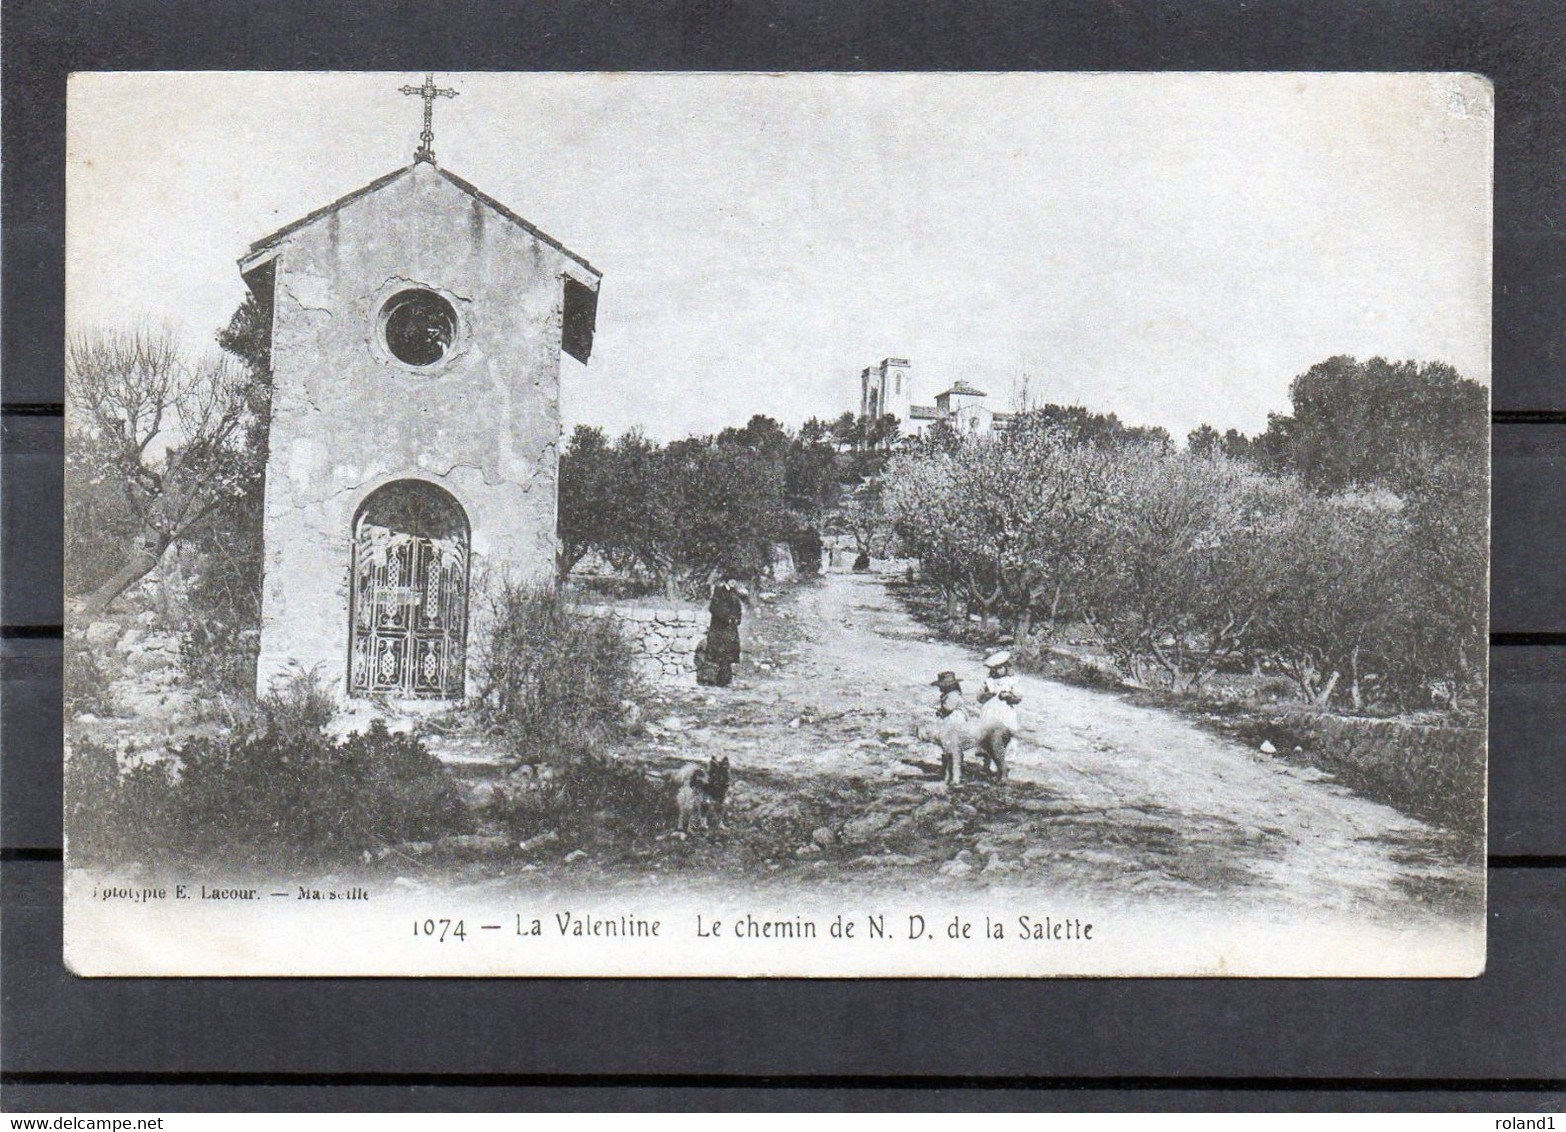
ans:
(409, 602)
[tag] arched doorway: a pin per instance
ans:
(408, 614)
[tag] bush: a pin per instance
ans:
(1363, 581)
(222, 613)
(114, 813)
(1190, 564)
(298, 705)
(1042, 660)
(806, 546)
(591, 798)
(549, 680)
(280, 796)
(98, 522)
(220, 656)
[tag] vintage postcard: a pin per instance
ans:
(777, 525)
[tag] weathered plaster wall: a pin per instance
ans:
(347, 417)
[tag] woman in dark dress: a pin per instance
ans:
(722, 647)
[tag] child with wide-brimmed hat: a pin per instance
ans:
(952, 715)
(951, 694)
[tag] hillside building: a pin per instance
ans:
(888, 388)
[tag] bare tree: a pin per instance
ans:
(167, 434)
(1024, 393)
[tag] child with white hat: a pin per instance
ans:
(1000, 683)
(998, 701)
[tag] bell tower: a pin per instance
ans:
(886, 388)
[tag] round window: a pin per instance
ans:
(419, 327)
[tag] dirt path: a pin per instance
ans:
(1104, 792)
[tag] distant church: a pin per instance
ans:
(888, 388)
(416, 338)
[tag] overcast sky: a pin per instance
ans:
(1170, 248)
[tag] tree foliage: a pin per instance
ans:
(166, 435)
(1349, 554)
(1379, 423)
(1187, 569)
(589, 504)
(223, 622)
(693, 509)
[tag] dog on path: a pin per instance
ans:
(700, 792)
(962, 734)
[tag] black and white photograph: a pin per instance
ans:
(777, 525)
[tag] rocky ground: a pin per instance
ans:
(134, 695)
(832, 788)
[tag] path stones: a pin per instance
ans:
(866, 827)
(959, 866)
(886, 861)
(473, 843)
(100, 633)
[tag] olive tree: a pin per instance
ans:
(165, 434)
(1189, 569)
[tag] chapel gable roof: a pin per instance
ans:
(258, 250)
(579, 315)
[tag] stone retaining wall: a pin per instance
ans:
(1430, 770)
(664, 640)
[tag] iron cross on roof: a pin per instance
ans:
(429, 92)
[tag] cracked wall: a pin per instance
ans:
(348, 417)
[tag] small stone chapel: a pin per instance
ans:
(416, 337)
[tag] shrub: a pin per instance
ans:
(1190, 564)
(298, 705)
(278, 796)
(112, 812)
(593, 796)
(806, 546)
(1356, 566)
(220, 656)
(551, 681)
(282, 793)
(222, 613)
(223, 633)
(1043, 660)
(98, 522)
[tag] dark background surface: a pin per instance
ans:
(1496, 1043)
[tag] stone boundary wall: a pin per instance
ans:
(1432, 771)
(663, 640)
